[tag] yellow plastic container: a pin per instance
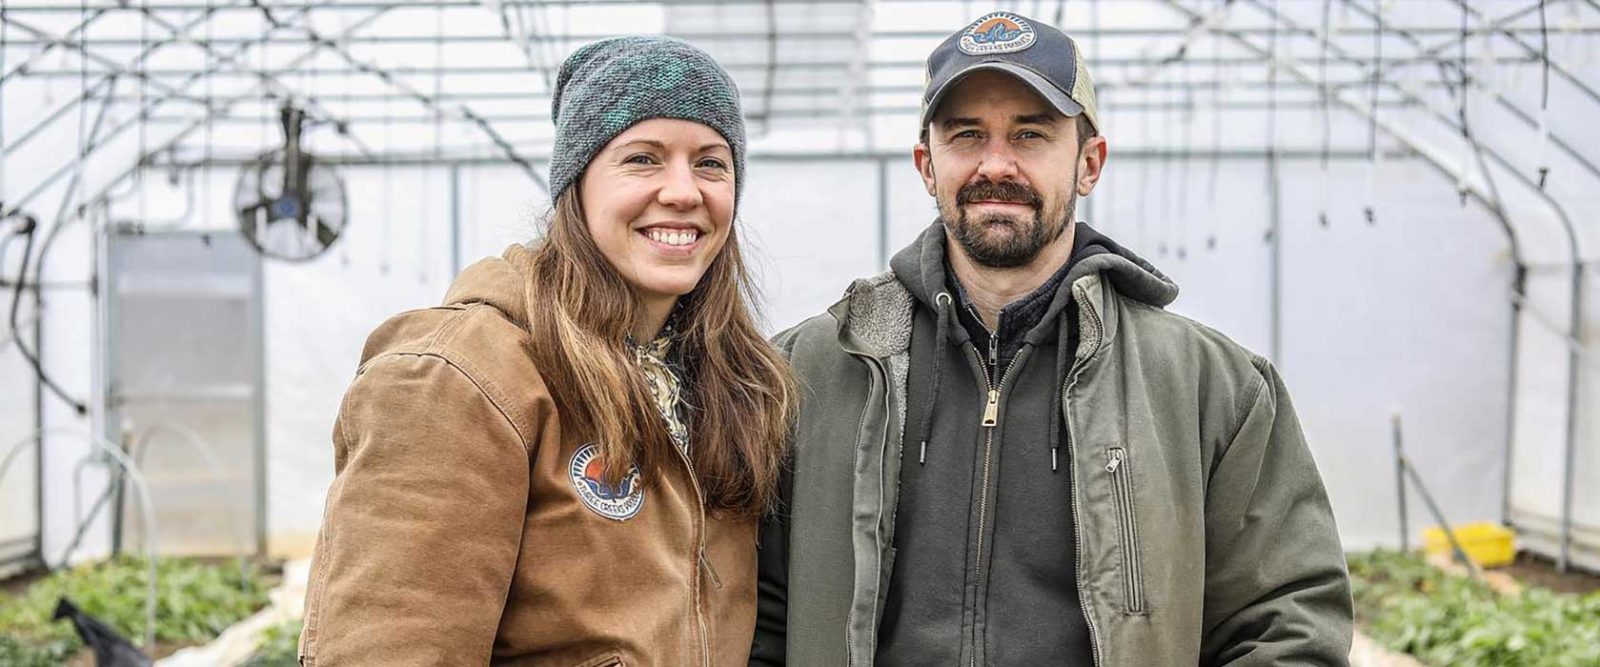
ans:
(1487, 544)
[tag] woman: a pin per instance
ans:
(565, 463)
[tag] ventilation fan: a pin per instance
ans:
(289, 206)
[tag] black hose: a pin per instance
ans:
(30, 226)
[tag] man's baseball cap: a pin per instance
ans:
(1038, 54)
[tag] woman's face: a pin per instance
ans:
(658, 200)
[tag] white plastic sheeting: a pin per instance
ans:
(1406, 316)
(1411, 315)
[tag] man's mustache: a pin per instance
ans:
(1006, 191)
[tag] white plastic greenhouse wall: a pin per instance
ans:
(1411, 313)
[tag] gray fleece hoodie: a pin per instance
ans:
(983, 569)
(1132, 471)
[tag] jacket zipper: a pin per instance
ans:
(991, 418)
(1077, 534)
(1132, 580)
(702, 563)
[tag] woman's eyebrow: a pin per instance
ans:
(648, 142)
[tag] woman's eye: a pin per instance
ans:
(713, 163)
(640, 158)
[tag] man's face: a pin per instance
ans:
(1005, 167)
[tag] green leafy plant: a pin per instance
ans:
(195, 601)
(279, 647)
(1443, 619)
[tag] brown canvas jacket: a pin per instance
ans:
(460, 531)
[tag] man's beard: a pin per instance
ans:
(1003, 241)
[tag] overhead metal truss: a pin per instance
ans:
(429, 65)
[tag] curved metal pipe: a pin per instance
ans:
(146, 506)
(1574, 248)
(207, 453)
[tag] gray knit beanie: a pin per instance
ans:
(608, 86)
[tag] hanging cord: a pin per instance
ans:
(1544, 97)
(1144, 175)
(427, 185)
(140, 71)
(1216, 135)
(1186, 139)
(1164, 175)
(1371, 211)
(28, 227)
(344, 101)
(942, 304)
(388, 183)
(1463, 90)
(1272, 102)
(4, 36)
(1327, 110)
(208, 132)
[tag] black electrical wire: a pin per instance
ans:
(209, 69)
(1186, 138)
(1327, 109)
(1272, 105)
(1371, 210)
(4, 35)
(1544, 93)
(1144, 176)
(5, 243)
(28, 228)
(344, 99)
(1165, 175)
(1216, 135)
(1463, 89)
(144, 109)
(771, 78)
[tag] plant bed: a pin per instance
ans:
(1447, 620)
(195, 600)
(1535, 570)
(279, 646)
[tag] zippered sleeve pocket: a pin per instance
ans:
(1127, 521)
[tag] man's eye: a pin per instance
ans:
(1029, 134)
(966, 134)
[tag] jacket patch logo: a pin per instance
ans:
(1000, 32)
(620, 501)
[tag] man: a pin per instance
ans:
(1009, 454)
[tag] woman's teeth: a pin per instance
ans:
(673, 238)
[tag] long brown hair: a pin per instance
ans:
(739, 388)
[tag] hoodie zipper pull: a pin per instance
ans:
(991, 410)
(1116, 460)
(711, 572)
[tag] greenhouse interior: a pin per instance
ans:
(206, 207)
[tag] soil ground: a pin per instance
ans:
(1533, 570)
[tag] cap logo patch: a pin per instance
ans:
(1000, 32)
(620, 501)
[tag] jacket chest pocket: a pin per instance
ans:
(602, 660)
(1117, 468)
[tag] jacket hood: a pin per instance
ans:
(920, 267)
(496, 282)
